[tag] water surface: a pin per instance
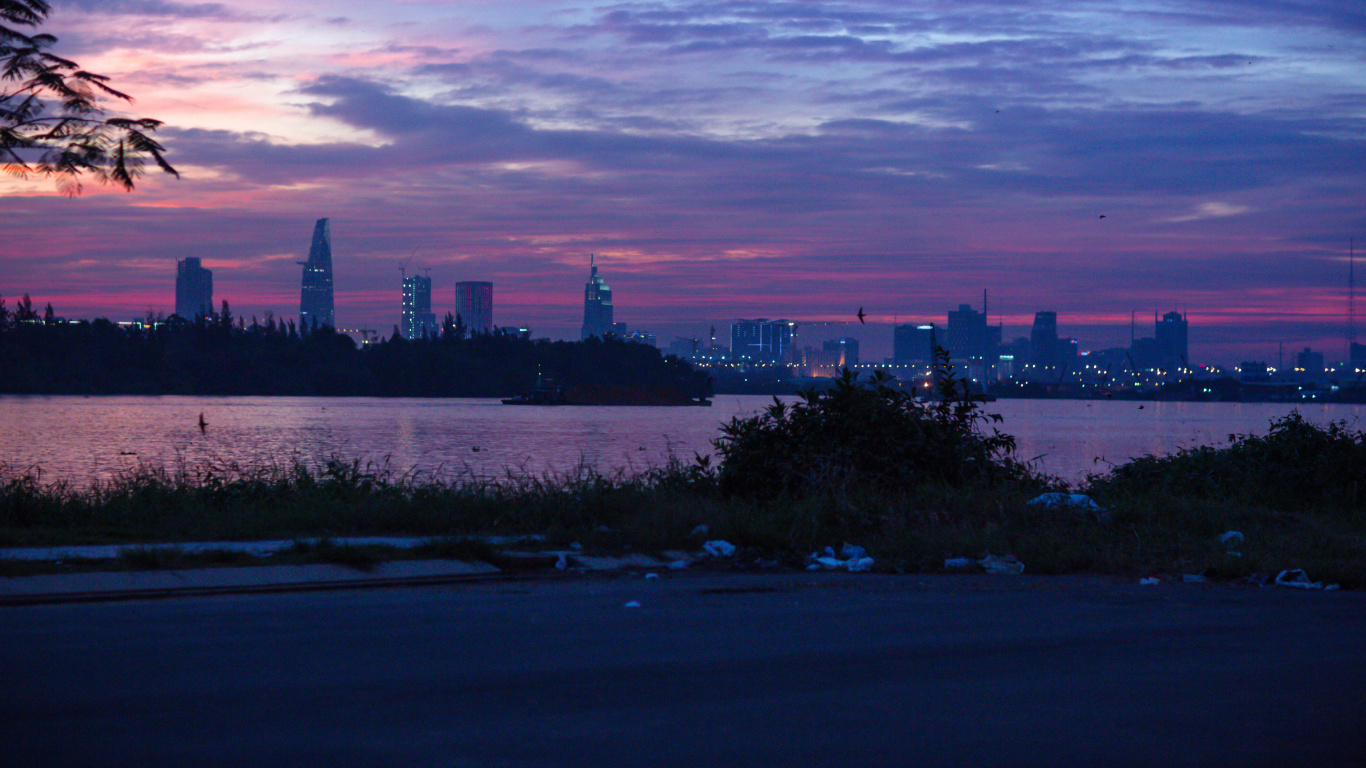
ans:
(85, 438)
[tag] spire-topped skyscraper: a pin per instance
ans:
(597, 305)
(315, 300)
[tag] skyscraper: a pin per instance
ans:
(1171, 337)
(193, 289)
(913, 343)
(315, 299)
(474, 303)
(968, 335)
(763, 341)
(417, 317)
(597, 305)
(1043, 341)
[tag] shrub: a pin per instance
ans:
(1296, 465)
(868, 437)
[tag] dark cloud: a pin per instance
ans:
(162, 8)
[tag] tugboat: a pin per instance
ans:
(546, 392)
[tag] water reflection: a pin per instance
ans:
(85, 438)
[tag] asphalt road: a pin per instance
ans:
(710, 670)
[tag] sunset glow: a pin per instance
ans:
(728, 160)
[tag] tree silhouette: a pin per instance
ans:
(51, 120)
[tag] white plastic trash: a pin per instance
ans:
(1150, 581)
(678, 565)
(561, 562)
(651, 576)
(1074, 501)
(1229, 538)
(958, 562)
(632, 604)
(1003, 565)
(719, 548)
(1296, 578)
(859, 564)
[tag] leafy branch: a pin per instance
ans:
(51, 119)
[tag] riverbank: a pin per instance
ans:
(1157, 534)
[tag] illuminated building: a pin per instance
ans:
(315, 298)
(597, 305)
(763, 341)
(417, 318)
(474, 303)
(913, 344)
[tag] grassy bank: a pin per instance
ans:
(912, 483)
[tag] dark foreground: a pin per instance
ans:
(783, 670)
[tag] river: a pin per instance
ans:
(79, 439)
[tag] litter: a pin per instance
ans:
(851, 558)
(1079, 502)
(1297, 579)
(1230, 538)
(958, 562)
(651, 576)
(719, 548)
(678, 565)
(632, 604)
(1003, 565)
(1150, 581)
(701, 530)
(1194, 578)
(561, 562)
(576, 546)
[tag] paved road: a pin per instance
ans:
(780, 669)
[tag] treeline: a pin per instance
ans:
(223, 355)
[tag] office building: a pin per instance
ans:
(597, 305)
(474, 304)
(845, 351)
(1043, 341)
(1170, 333)
(1309, 365)
(763, 341)
(315, 298)
(913, 344)
(417, 318)
(967, 334)
(193, 289)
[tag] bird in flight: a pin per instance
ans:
(1102, 215)
(203, 425)
(861, 316)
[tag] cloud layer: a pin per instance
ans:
(733, 159)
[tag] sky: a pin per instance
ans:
(1103, 160)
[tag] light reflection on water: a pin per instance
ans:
(85, 438)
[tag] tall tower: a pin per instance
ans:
(193, 289)
(474, 302)
(315, 299)
(417, 316)
(1043, 341)
(597, 305)
(1171, 334)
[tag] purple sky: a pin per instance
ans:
(734, 159)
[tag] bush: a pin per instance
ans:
(1296, 466)
(867, 437)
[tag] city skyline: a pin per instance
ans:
(729, 161)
